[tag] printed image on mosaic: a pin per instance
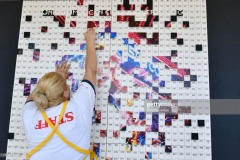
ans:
(152, 61)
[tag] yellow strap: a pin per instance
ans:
(81, 150)
(44, 142)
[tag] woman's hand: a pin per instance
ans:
(90, 36)
(63, 69)
(91, 57)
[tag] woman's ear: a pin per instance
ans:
(66, 94)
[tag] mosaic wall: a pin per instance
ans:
(149, 52)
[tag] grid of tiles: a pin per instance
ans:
(147, 50)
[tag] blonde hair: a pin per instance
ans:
(50, 91)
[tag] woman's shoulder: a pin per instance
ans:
(30, 105)
(29, 108)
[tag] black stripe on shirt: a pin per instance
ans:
(90, 83)
(28, 101)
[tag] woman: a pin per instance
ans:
(58, 127)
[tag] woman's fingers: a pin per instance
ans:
(63, 69)
(90, 30)
(66, 68)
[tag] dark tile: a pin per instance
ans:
(173, 35)
(28, 18)
(194, 136)
(22, 80)
(66, 35)
(193, 77)
(187, 122)
(168, 24)
(180, 41)
(174, 18)
(26, 35)
(54, 46)
(44, 29)
(198, 47)
(187, 84)
(10, 135)
(201, 123)
(31, 45)
(20, 51)
(185, 24)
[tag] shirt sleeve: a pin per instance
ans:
(29, 105)
(85, 95)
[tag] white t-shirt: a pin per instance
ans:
(75, 126)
